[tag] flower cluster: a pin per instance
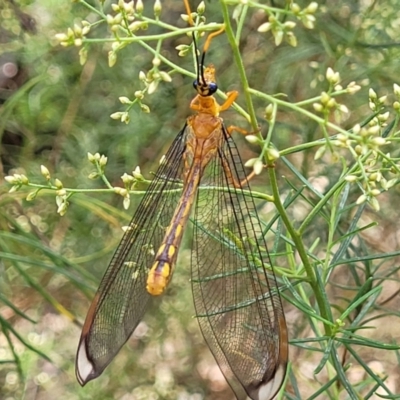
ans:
(75, 35)
(129, 181)
(283, 30)
(327, 101)
(375, 171)
(150, 81)
(19, 180)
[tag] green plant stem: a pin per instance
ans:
(45, 189)
(271, 129)
(239, 63)
(300, 110)
(296, 237)
(240, 23)
(93, 9)
(149, 38)
(268, 8)
(317, 208)
(303, 146)
(103, 177)
(318, 98)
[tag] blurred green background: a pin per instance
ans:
(53, 111)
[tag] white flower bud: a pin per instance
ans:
(396, 88)
(250, 162)
(45, 172)
(272, 154)
(116, 115)
(361, 199)
(137, 174)
(252, 139)
(124, 100)
(372, 94)
(264, 27)
(11, 179)
(139, 6)
(351, 178)
(58, 183)
(165, 76)
(258, 166)
(312, 7)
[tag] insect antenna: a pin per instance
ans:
(201, 84)
(199, 65)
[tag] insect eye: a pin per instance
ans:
(212, 87)
(195, 84)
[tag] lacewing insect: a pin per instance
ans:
(234, 287)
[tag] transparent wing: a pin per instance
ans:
(234, 288)
(122, 298)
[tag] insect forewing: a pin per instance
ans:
(122, 298)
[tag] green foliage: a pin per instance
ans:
(318, 88)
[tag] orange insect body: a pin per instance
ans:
(204, 139)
